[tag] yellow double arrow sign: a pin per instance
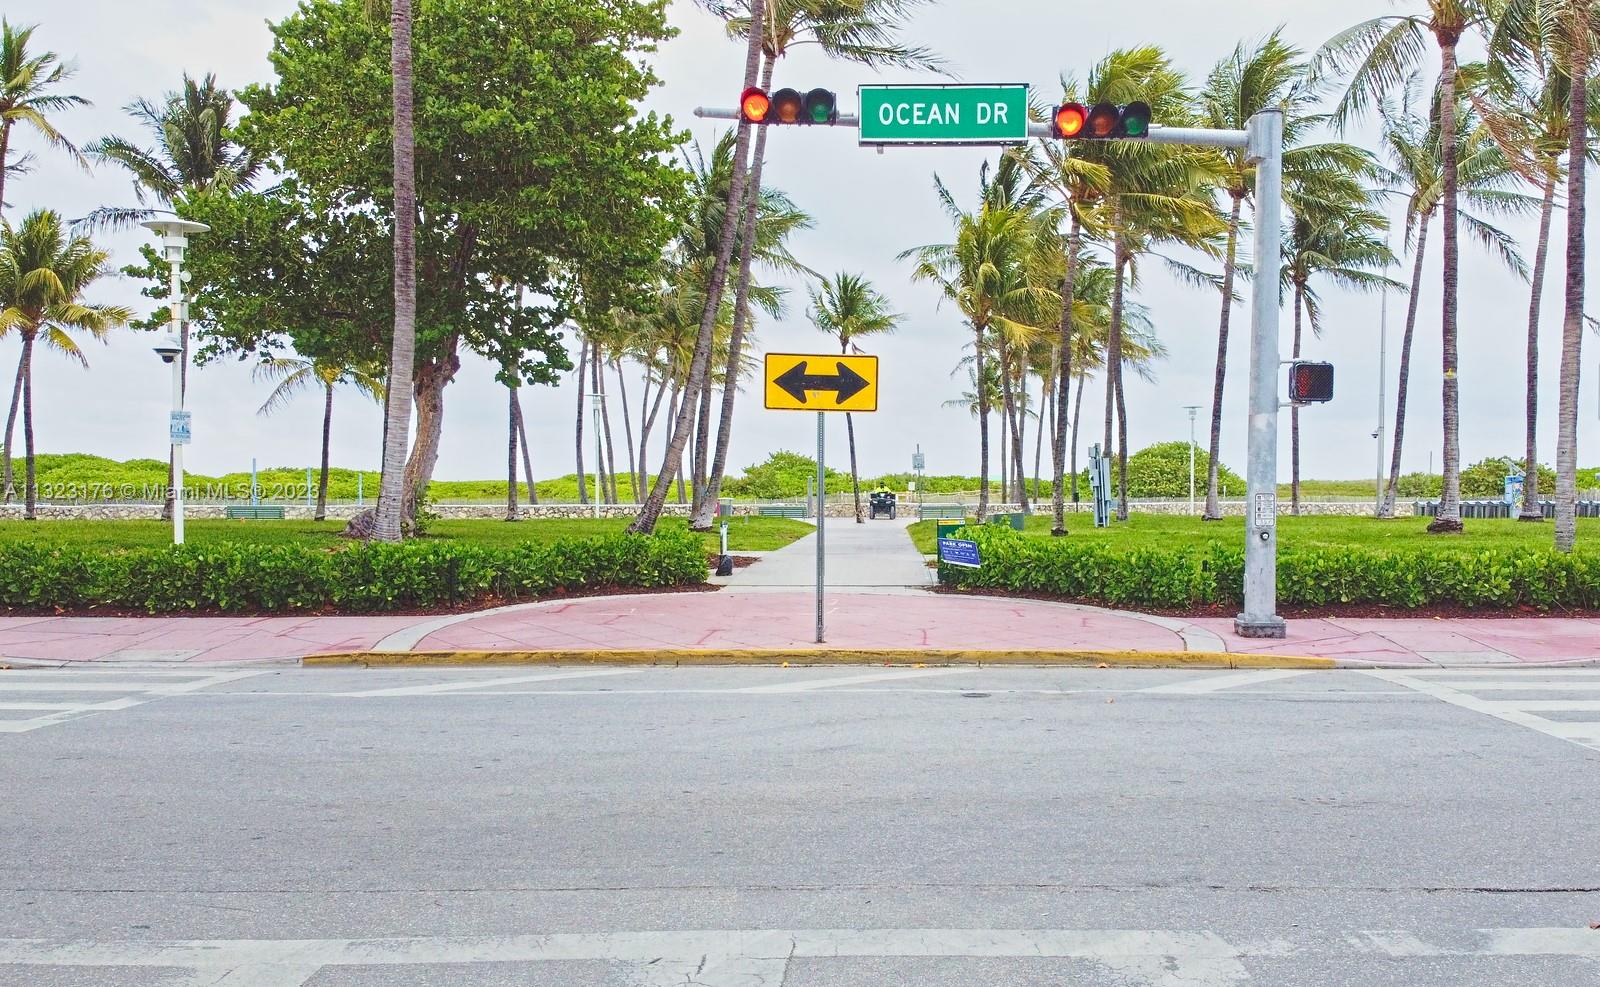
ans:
(820, 382)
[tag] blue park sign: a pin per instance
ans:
(959, 551)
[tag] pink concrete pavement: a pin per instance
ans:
(732, 620)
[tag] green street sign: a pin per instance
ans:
(954, 114)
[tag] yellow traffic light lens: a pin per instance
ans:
(1103, 120)
(786, 105)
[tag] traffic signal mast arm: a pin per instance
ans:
(1042, 130)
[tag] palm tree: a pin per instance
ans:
(44, 274)
(848, 308)
(1269, 74)
(992, 274)
(858, 31)
(194, 155)
(292, 375)
(1341, 243)
(1567, 32)
(393, 498)
(1414, 148)
(1379, 54)
(700, 363)
(25, 97)
(194, 152)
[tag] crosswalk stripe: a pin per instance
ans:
(446, 687)
(1217, 683)
(144, 687)
(1522, 713)
(807, 686)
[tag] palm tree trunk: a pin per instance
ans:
(1019, 431)
(627, 429)
(983, 426)
(673, 420)
(583, 363)
(1038, 433)
(1058, 438)
(700, 365)
(30, 489)
(1294, 412)
(702, 445)
(1572, 326)
(1114, 381)
(705, 511)
(522, 440)
(597, 364)
(1530, 483)
(327, 436)
(7, 485)
(1213, 511)
(1077, 416)
(512, 514)
(402, 351)
(1449, 519)
(5, 150)
(1402, 386)
(645, 427)
(1007, 424)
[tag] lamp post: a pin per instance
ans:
(1192, 409)
(174, 239)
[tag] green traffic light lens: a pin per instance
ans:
(1136, 119)
(820, 106)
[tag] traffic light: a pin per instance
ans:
(789, 106)
(1310, 382)
(1103, 121)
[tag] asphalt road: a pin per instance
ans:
(799, 826)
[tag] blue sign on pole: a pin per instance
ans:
(959, 551)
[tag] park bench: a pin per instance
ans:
(940, 512)
(253, 512)
(782, 510)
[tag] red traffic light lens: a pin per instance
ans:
(787, 105)
(1103, 120)
(1069, 119)
(753, 105)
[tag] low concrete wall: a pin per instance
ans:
(844, 509)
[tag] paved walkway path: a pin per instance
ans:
(778, 617)
(877, 554)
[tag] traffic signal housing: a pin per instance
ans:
(1103, 121)
(789, 106)
(1310, 382)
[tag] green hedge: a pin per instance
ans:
(262, 578)
(1178, 578)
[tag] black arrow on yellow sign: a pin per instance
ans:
(845, 384)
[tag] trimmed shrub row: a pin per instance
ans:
(1176, 578)
(254, 578)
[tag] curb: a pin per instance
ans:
(818, 656)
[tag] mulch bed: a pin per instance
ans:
(1230, 610)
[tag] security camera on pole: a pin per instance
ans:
(175, 235)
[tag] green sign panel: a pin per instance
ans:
(957, 114)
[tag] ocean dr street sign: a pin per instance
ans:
(955, 114)
(815, 382)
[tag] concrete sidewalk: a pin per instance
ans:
(877, 554)
(768, 616)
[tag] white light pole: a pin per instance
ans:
(594, 400)
(175, 235)
(1192, 409)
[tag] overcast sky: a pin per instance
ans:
(868, 207)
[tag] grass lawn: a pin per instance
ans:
(1163, 530)
(744, 533)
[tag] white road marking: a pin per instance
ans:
(760, 957)
(1452, 691)
(1217, 683)
(1489, 673)
(895, 676)
(446, 687)
(144, 686)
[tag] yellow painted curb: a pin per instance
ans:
(819, 656)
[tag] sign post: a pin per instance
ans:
(820, 383)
